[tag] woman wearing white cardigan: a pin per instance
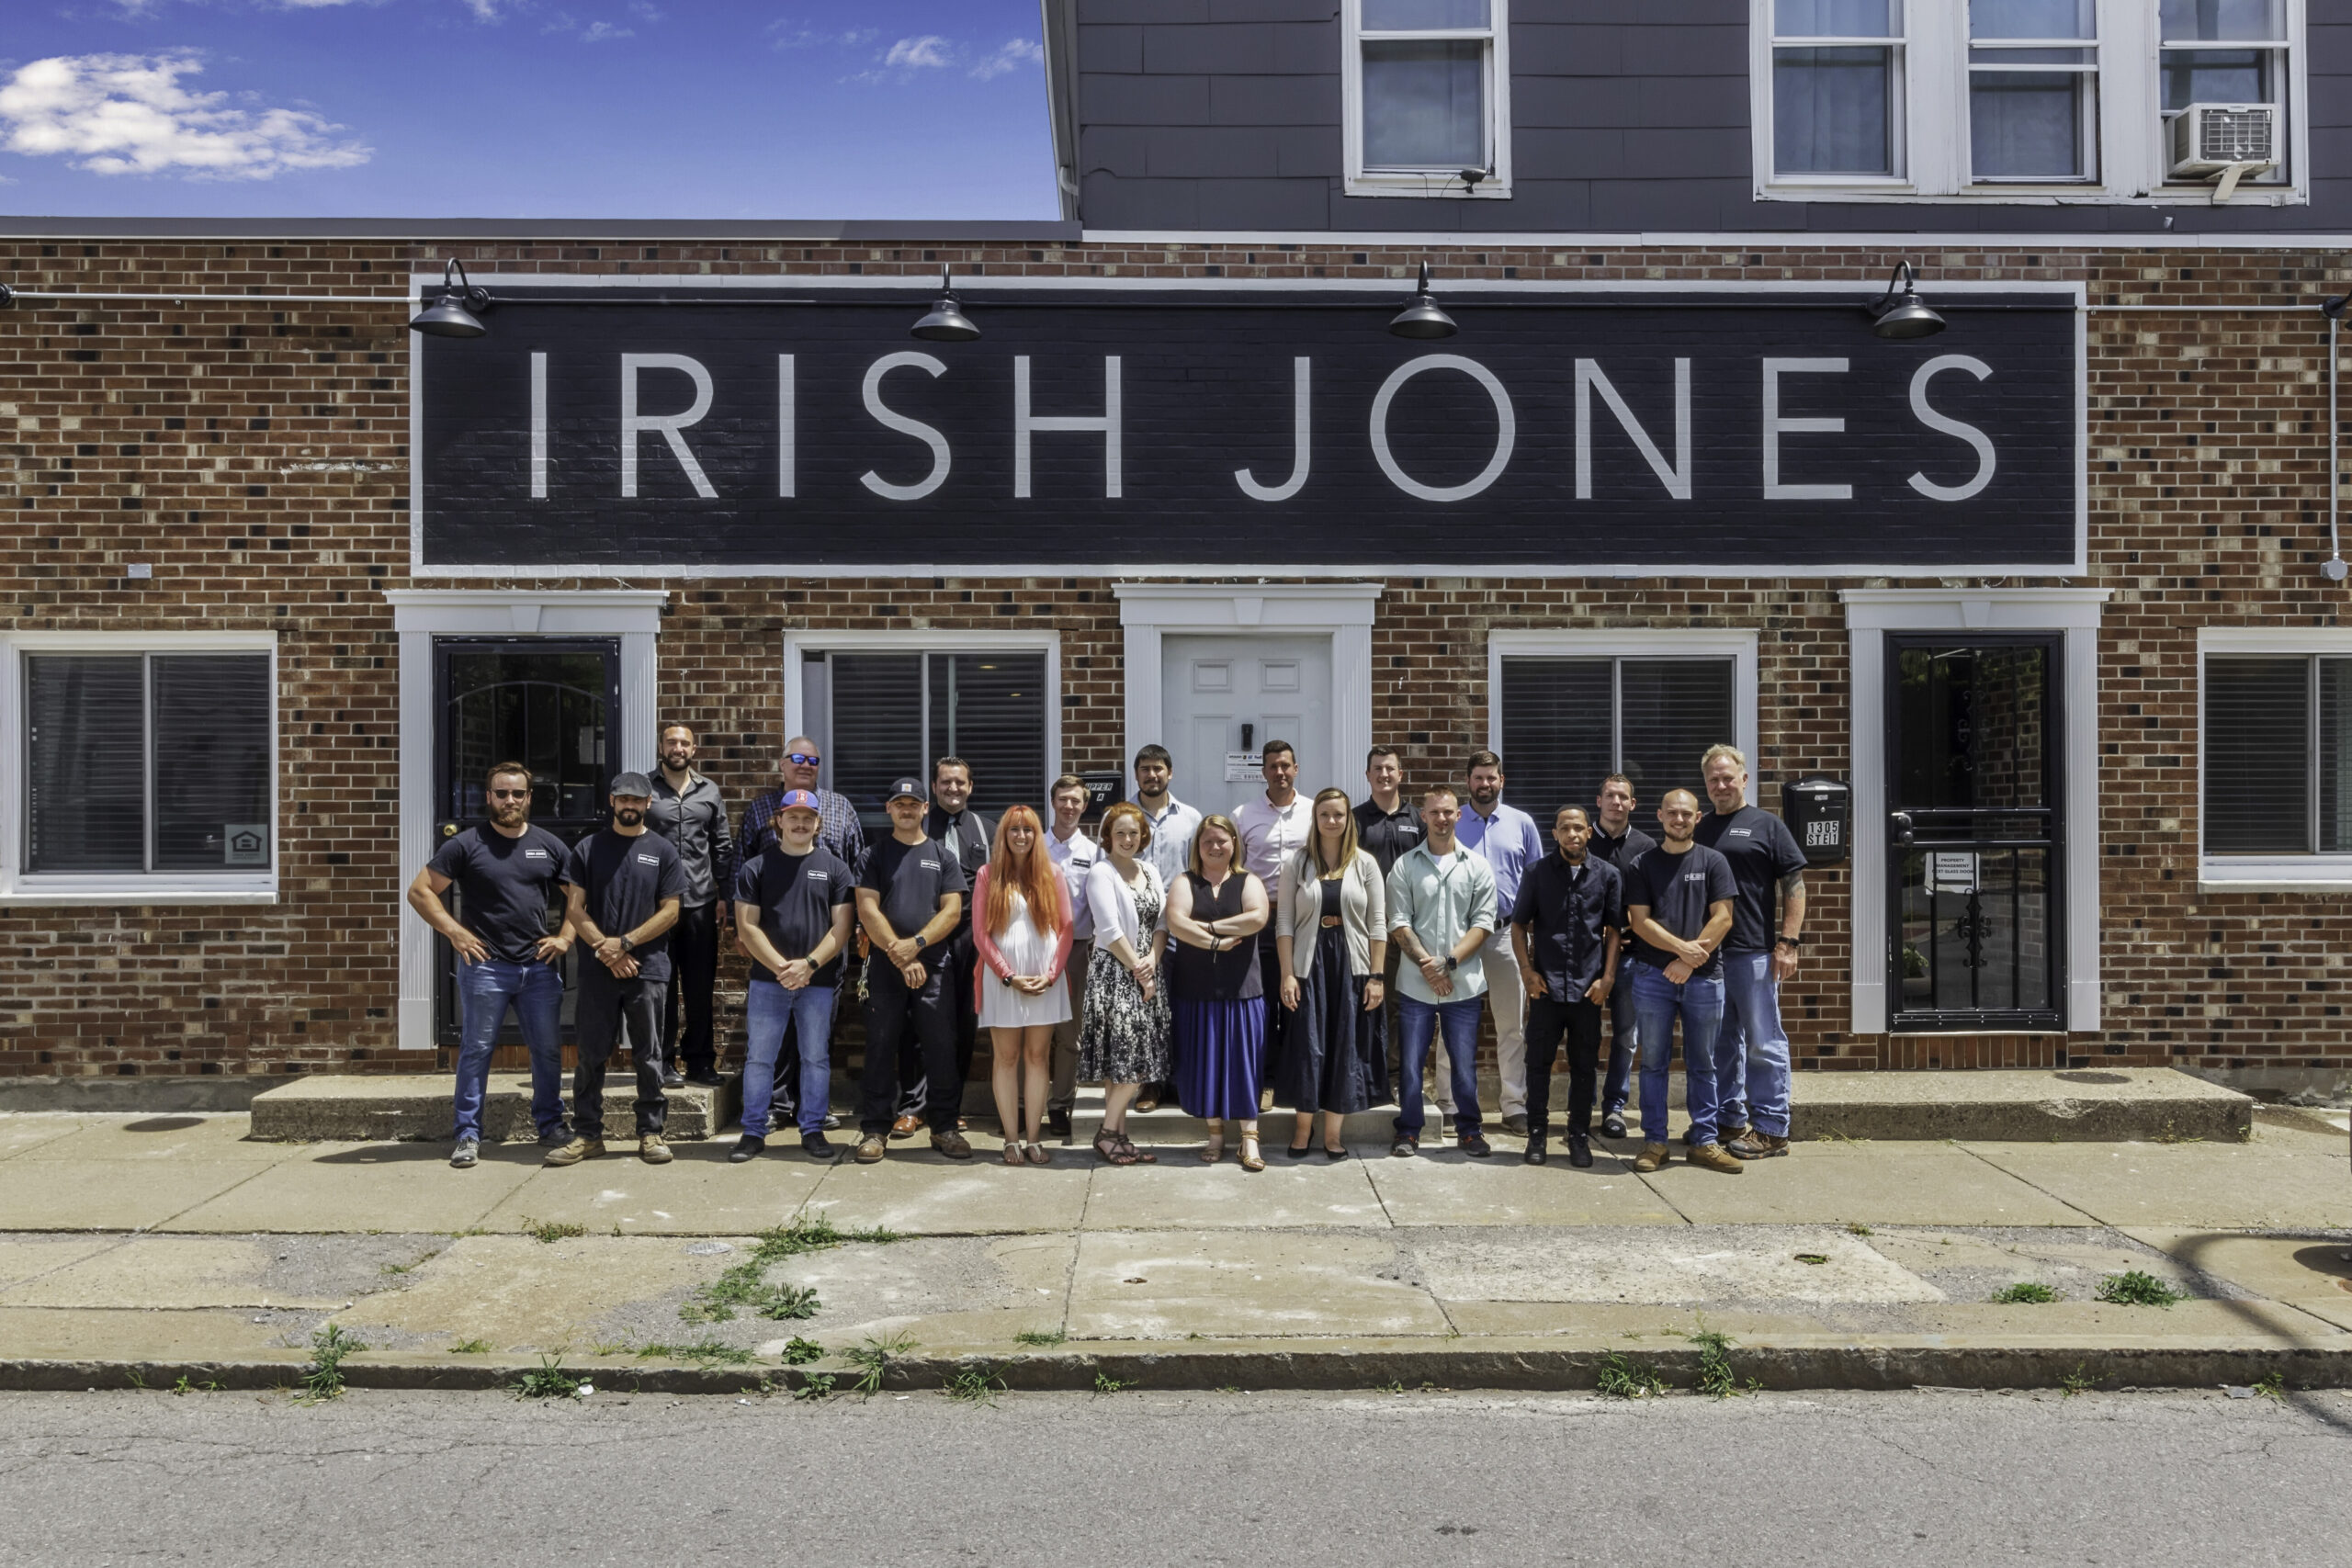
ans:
(1332, 932)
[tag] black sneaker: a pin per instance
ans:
(703, 1076)
(555, 1137)
(1613, 1124)
(1535, 1154)
(1475, 1144)
(1579, 1152)
(1058, 1123)
(747, 1149)
(816, 1146)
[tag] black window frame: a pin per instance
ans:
(2315, 772)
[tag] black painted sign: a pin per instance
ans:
(806, 432)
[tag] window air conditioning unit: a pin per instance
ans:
(2212, 139)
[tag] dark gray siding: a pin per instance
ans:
(1225, 115)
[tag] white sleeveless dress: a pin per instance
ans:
(1028, 950)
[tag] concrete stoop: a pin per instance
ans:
(406, 1107)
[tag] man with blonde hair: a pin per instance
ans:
(1752, 1047)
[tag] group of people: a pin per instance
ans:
(1225, 961)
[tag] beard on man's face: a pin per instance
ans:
(509, 810)
(627, 817)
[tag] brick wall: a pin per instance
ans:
(257, 457)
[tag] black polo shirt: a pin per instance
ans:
(796, 895)
(1568, 911)
(626, 879)
(1385, 836)
(911, 879)
(1677, 890)
(1762, 851)
(505, 887)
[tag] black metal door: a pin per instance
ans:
(1975, 832)
(553, 705)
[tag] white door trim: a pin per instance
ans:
(419, 614)
(1150, 612)
(1872, 612)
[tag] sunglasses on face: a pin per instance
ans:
(802, 759)
(509, 794)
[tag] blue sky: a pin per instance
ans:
(524, 108)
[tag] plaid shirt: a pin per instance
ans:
(837, 828)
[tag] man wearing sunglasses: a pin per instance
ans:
(507, 873)
(839, 834)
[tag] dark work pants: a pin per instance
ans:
(1548, 1020)
(694, 972)
(607, 1008)
(1624, 1045)
(914, 1072)
(899, 1020)
(1278, 1017)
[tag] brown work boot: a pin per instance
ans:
(871, 1148)
(952, 1144)
(1711, 1156)
(906, 1126)
(651, 1150)
(575, 1151)
(1753, 1145)
(1652, 1158)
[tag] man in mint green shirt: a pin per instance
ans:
(1440, 912)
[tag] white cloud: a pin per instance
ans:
(484, 10)
(600, 32)
(929, 52)
(1014, 54)
(643, 12)
(127, 114)
(791, 35)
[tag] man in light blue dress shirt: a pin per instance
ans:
(1508, 840)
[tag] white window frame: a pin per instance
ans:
(799, 644)
(1736, 645)
(2265, 873)
(1769, 44)
(1360, 181)
(20, 888)
(2134, 163)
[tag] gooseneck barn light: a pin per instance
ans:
(452, 315)
(945, 322)
(1903, 316)
(1421, 318)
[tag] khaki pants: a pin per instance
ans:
(1064, 1094)
(1507, 1003)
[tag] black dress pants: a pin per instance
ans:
(607, 1006)
(902, 1020)
(1548, 1020)
(693, 964)
(914, 1075)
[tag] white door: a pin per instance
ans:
(1224, 697)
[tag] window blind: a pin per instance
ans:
(2258, 751)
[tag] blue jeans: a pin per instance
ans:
(1417, 1020)
(484, 990)
(1752, 1052)
(1625, 1043)
(1700, 1004)
(767, 1008)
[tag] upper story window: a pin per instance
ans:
(2030, 101)
(1427, 86)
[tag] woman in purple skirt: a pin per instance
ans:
(1214, 912)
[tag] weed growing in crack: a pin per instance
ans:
(872, 1359)
(1040, 1336)
(469, 1348)
(322, 1379)
(800, 1352)
(2025, 1293)
(709, 1352)
(2076, 1382)
(2137, 1288)
(815, 1387)
(550, 1231)
(976, 1385)
(1716, 1376)
(2271, 1387)
(548, 1380)
(1620, 1379)
(745, 1286)
(1105, 1383)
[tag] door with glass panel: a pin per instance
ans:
(1976, 833)
(551, 704)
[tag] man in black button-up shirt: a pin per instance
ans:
(1618, 842)
(1564, 930)
(688, 810)
(1387, 827)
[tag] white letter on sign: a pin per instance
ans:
(1024, 421)
(1775, 425)
(1301, 372)
(634, 424)
(1506, 437)
(905, 426)
(1950, 426)
(1677, 479)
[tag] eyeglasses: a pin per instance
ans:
(509, 794)
(802, 759)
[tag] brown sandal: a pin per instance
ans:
(1134, 1156)
(1251, 1158)
(1108, 1147)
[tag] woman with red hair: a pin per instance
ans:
(1021, 928)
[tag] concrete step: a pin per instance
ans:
(397, 1107)
(2091, 1105)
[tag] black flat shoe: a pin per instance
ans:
(747, 1149)
(704, 1077)
(1612, 1125)
(1301, 1152)
(1336, 1155)
(1535, 1154)
(1580, 1152)
(817, 1146)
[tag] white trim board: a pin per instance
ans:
(799, 641)
(419, 615)
(1870, 613)
(1771, 242)
(123, 890)
(2275, 872)
(1152, 611)
(1737, 645)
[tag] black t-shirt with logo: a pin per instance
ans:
(911, 879)
(626, 880)
(1676, 890)
(1762, 851)
(505, 886)
(797, 895)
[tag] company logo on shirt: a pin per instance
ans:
(929, 864)
(1740, 832)
(820, 876)
(534, 854)
(649, 860)
(1694, 876)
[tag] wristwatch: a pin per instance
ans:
(627, 946)
(1452, 963)
(1789, 941)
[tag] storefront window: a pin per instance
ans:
(1567, 723)
(878, 715)
(2278, 754)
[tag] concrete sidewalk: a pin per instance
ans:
(176, 1246)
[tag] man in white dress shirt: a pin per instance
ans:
(1273, 827)
(1076, 854)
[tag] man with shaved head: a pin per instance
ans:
(1678, 901)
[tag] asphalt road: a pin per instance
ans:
(1856, 1480)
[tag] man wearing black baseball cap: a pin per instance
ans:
(623, 886)
(911, 885)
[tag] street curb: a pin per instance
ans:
(1527, 1365)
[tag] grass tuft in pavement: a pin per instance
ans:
(872, 1359)
(550, 1231)
(548, 1380)
(800, 1352)
(709, 1352)
(2137, 1288)
(745, 1285)
(2025, 1293)
(977, 1384)
(1620, 1379)
(322, 1379)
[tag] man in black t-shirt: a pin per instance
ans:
(624, 885)
(1678, 900)
(1752, 1051)
(909, 901)
(506, 873)
(792, 907)
(1617, 842)
(968, 836)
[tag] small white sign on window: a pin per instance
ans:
(244, 843)
(1241, 767)
(1952, 871)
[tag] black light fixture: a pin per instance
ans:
(8, 296)
(946, 321)
(452, 315)
(1902, 315)
(1421, 318)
